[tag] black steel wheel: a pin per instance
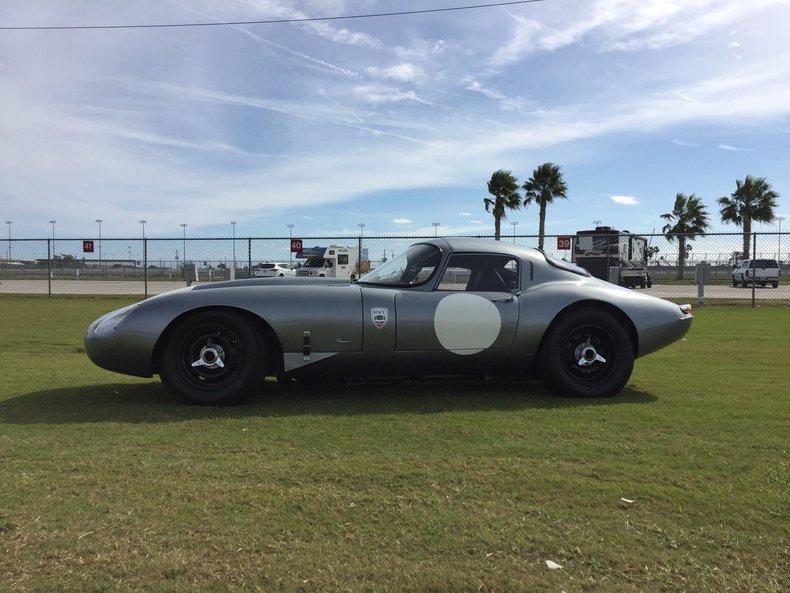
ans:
(214, 357)
(588, 353)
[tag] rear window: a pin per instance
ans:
(765, 263)
(268, 266)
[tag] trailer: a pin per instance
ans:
(612, 255)
(336, 261)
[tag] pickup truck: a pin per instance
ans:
(756, 271)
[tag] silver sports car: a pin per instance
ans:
(453, 307)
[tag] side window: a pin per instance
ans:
(342, 259)
(480, 272)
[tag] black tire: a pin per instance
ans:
(775, 284)
(282, 275)
(734, 283)
(233, 339)
(744, 284)
(565, 346)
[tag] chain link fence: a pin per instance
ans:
(702, 268)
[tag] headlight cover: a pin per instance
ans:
(107, 325)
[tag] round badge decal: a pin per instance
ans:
(466, 323)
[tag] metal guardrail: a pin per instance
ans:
(144, 267)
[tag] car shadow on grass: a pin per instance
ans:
(149, 402)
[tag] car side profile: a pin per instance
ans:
(455, 306)
(273, 270)
(756, 271)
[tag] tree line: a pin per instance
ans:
(754, 200)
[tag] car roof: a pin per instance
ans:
(466, 244)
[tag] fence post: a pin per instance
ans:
(754, 279)
(49, 268)
(145, 267)
(249, 257)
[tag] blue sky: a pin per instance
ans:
(394, 122)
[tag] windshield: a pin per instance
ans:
(414, 267)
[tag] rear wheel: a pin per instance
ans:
(734, 283)
(588, 354)
(775, 284)
(214, 358)
(744, 284)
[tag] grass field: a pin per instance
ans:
(107, 484)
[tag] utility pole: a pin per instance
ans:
(99, 221)
(778, 250)
(514, 223)
(290, 252)
(184, 244)
(52, 222)
(142, 222)
(436, 226)
(233, 230)
(8, 222)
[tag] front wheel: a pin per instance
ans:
(213, 358)
(775, 284)
(587, 354)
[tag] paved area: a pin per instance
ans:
(135, 288)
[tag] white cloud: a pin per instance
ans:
(729, 147)
(405, 72)
(622, 25)
(680, 142)
(505, 102)
(476, 221)
(402, 220)
(625, 200)
(464, 214)
(683, 96)
(733, 44)
(379, 93)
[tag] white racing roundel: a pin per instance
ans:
(466, 323)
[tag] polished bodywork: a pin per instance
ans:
(331, 327)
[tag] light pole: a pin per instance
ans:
(436, 226)
(52, 222)
(183, 244)
(290, 251)
(514, 223)
(596, 222)
(99, 221)
(233, 231)
(778, 254)
(8, 222)
(142, 222)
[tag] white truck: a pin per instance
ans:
(338, 261)
(756, 271)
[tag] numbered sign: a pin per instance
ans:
(296, 246)
(563, 243)
(87, 246)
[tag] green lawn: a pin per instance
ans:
(106, 483)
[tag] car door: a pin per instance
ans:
(472, 307)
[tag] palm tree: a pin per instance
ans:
(504, 187)
(752, 201)
(545, 184)
(688, 220)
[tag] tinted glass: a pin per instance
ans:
(765, 263)
(480, 272)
